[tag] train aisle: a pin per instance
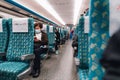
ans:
(59, 67)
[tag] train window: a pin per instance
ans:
(114, 16)
(20, 25)
(1, 25)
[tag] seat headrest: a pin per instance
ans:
(1, 28)
(19, 25)
(86, 26)
(44, 28)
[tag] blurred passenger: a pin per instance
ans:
(40, 47)
(75, 45)
(71, 34)
(111, 58)
(57, 40)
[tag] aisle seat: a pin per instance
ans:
(3, 38)
(83, 73)
(83, 50)
(20, 50)
(99, 35)
(51, 38)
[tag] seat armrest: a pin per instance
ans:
(28, 57)
(2, 54)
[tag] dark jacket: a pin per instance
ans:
(75, 41)
(44, 39)
(111, 58)
(57, 37)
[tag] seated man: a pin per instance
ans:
(40, 46)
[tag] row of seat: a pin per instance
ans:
(92, 44)
(16, 44)
(51, 36)
(63, 35)
(50, 31)
(16, 41)
(83, 68)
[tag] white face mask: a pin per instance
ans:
(37, 31)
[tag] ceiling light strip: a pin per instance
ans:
(77, 7)
(28, 10)
(46, 5)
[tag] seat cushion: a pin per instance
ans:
(1, 61)
(10, 70)
(83, 74)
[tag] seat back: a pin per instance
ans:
(62, 36)
(3, 35)
(21, 40)
(82, 45)
(51, 36)
(99, 34)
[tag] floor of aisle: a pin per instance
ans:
(59, 67)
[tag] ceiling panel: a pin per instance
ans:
(65, 9)
(37, 8)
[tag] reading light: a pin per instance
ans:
(77, 6)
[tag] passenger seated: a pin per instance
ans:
(57, 40)
(40, 47)
(75, 45)
(111, 58)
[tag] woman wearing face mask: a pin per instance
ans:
(40, 39)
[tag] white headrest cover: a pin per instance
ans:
(20, 25)
(1, 28)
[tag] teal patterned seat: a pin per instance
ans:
(20, 44)
(83, 73)
(14, 69)
(82, 50)
(76, 30)
(82, 45)
(99, 35)
(3, 37)
(51, 38)
(62, 35)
